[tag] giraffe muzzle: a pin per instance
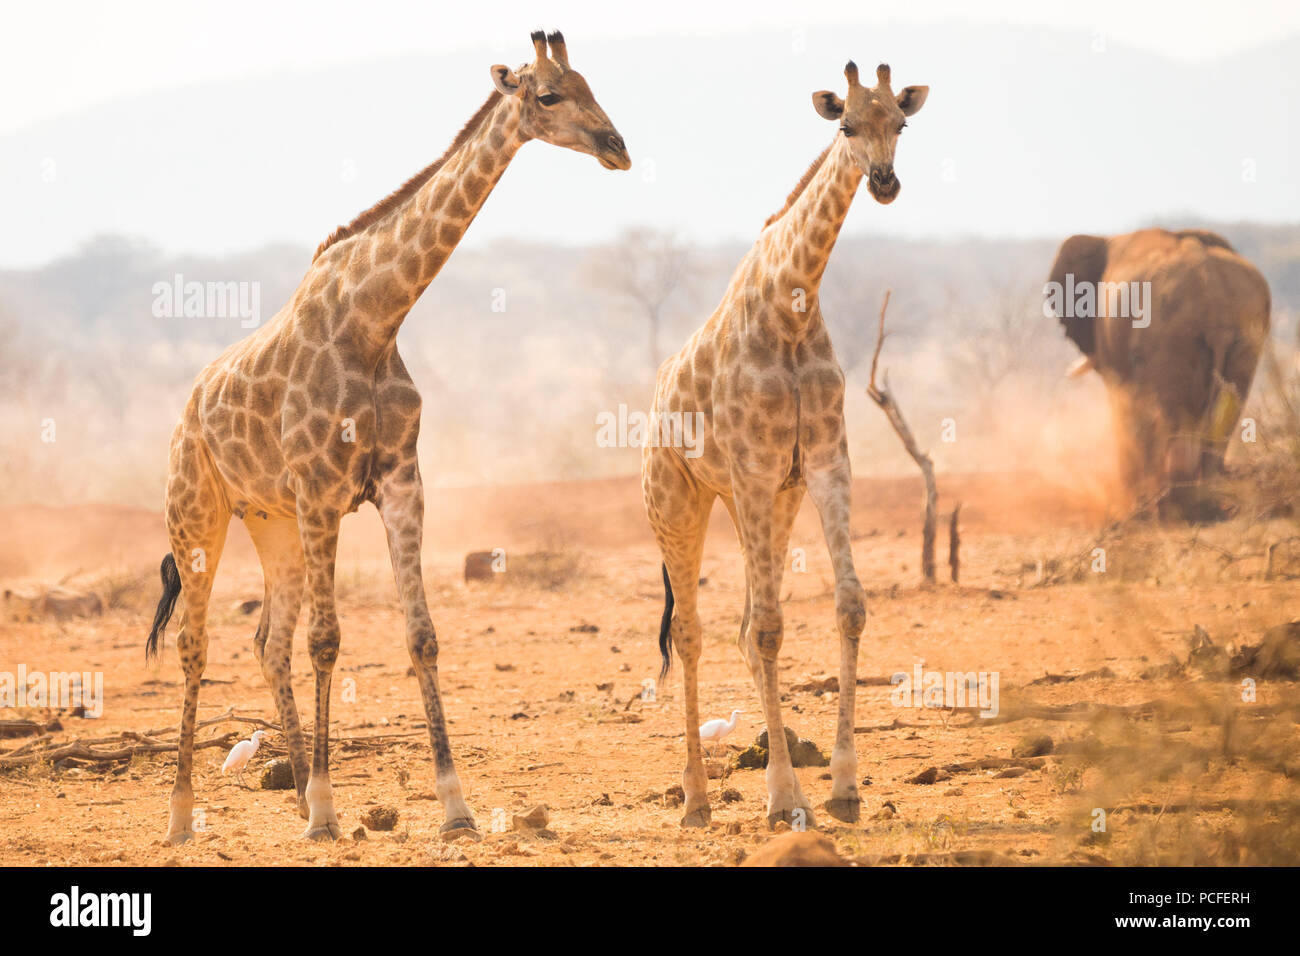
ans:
(613, 152)
(883, 184)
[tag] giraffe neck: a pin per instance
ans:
(391, 262)
(797, 246)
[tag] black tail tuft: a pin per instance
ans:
(171, 582)
(665, 637)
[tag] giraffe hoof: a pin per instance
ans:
(698, 818)
(463, 827)
(324, 832)
(179, 837)
(845, 809)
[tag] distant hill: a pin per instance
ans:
(1027, 132)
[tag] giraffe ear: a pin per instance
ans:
(506, 81)
(912, 98)
(828, 105)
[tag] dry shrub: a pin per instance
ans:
(124, 590)
(1148, 774)
(1241, 549)
(546, 570)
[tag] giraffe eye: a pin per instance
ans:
(549, 99)
(846, 131)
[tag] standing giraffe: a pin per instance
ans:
(763, 380)
(314, 413)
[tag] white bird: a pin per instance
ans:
(714, 730)
(240, 754)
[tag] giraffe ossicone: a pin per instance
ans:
(314, 414)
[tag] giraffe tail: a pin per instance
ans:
(171, 582)
(665, 637)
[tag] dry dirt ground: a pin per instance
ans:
(541, 670)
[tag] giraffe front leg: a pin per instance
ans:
(755, 511)
(401, 506)
(280, 550)
(319, 531)
(830, 490)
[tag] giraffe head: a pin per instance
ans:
(871, 118)
(557, 105)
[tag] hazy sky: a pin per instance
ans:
(57, 56)
(213, 128)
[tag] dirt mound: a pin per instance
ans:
(797, 849)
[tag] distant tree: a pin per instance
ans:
(102, 270)
(1001, 335)
(648, 268)
(849, 296)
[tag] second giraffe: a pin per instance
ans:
(762, 378)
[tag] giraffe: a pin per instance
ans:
(762, 377)
(315, 413)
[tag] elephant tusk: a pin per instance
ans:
(1082, 366)
(1223, 415)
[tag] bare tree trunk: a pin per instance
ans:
(885, 399)
(954, 544)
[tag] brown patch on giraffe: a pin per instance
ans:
(455, 207)
(448, 234)
(411, 269)
(409, 188)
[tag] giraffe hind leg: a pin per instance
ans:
(679, 516)
(197, 531)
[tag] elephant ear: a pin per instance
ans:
(1083, 258)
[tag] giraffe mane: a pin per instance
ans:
(394, 199)
(799, 187)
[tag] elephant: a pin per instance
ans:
(1174, 322)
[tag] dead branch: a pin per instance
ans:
(19, 728)
(954, 544)
(882, 396)
(78, 750)
(31, 744)
(133, 742)
(994, 763)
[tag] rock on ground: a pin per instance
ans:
(534, 819)
(380, 818)
(277, 774)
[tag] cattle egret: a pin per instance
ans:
(240, 754)
(715, 730)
